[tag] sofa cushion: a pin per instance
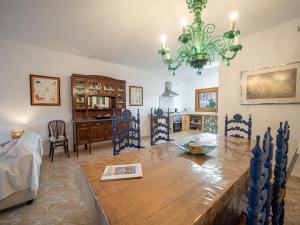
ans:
(5, 149)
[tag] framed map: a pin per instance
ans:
(135, 96)
(45, 90)
(272, 85)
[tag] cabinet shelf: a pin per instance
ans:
(195, 123)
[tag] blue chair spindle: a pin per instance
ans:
(238, 120)
(259, 190)
(159, 126)
(126, 132)
(280, 174)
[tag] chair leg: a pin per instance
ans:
(67, 149)
(52, 154)
(90, 146)
(77, 150)
(50, 150)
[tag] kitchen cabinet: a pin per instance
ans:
(185, 122)
(204, 122)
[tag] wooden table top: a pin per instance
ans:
(176, 189)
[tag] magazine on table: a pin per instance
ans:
(127, 171)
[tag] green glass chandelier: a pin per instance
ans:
(197, 45)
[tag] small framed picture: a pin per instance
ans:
(135, 96)
(206, 100)
(45, 90)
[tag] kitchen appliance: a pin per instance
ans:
(177, 123)
(168, 90)
(167, 99)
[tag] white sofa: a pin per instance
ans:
(20, 171)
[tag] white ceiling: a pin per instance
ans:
(127, 31)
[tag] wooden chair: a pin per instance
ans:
(126, 132)
(280, 174)
(237, 120)
(159, 126)
(57, 136)
(260, 187)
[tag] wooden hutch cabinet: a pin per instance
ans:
(94, 99)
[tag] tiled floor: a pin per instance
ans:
(59, 201)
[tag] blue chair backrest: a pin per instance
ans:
(259, 190)
(126, 132)
(280, 173)
(160, 126)
(235, 123)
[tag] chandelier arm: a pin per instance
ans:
(228, 58)
(207, 30)
(174, 64)
(220, 43)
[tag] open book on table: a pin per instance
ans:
(122, 172)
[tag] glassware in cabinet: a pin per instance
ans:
(79, 92)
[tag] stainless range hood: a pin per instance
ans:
(168, 90)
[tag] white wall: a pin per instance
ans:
(275, 46)
(18, 61)
(208, 79)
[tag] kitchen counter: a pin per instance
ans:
(202, 121)
(195, 113)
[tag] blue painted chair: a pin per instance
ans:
(235, 123)
(280, 174)
(259, 190)
(159, 126)
(126, 132)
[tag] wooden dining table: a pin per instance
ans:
(177, 188)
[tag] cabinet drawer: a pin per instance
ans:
(82, 125)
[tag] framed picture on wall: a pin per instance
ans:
(135, 96)
(273, 85)
(206, 100)
(44, 90)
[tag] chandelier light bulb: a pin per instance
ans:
(163, 39)
(184, 23)
(233, 17)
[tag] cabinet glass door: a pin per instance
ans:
(121, 100)
(109, 88)
(79, 92)
(94, 88)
